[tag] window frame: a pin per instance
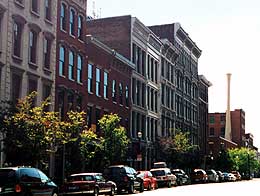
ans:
(98, 81)
(33, 41)
(71, 65)
(105, 85)
(90, 78)
(72, 15)
(79, 68)
(63, 17)
(47, 9)
(62, 61)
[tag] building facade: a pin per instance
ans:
(216, 131)
(204, 84)
(28, 52)
(186, 97)
(136, 42)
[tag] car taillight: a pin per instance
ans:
(18, 188)
(125, 178)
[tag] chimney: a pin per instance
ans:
(228, 134)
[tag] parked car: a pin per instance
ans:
(159, 165)
(182, 177)
(125, 177)
(237, 175)
(198, 175)
(25, 181)
(150, 182)
(228, 177)
(220, 176)
(84, 183)
(212, 175)
(164, 176)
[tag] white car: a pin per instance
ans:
(212, 175)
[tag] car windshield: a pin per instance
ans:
(7, 176)
(80, 178)
(158, 172)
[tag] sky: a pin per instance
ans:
(227, 32)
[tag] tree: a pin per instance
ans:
(35, 132)
(244, 160)
(177, 150)
(115, 139)
(89, 145)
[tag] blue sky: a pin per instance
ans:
(227, 32)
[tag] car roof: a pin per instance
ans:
(82, 174)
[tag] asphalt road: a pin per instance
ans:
(242, 188)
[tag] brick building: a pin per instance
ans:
(136, 42)
(216, 131)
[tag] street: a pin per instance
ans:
(241, 188)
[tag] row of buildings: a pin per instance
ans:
(147, 75)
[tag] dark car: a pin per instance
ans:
(84, 183)
(164, 177)
(198, 175)
(25, 181)
(182, 177)
(220, 176)
(125, 178)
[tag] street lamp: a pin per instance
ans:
(139, 156)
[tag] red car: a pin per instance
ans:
(150, 182)
(87, 183)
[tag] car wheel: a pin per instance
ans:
(131, 188)
(141, 189)
(95, 192)
(180, 182)
(149, 187)
(169, 184)
(112, 192)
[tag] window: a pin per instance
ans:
(63, 17)
(16, 87)
(47, 52)
(211, 131)
(211, 119)
(120, 93)
(114, 90)
(48, 9)
(32, 46)
(89, 116)
(97, 81)
(126, 96)
(105, 84)
(32, 86)
(90, 78)
(29, 175)
(79, 69)
(79, 103)
(17, 33)
(34, 4)
(80, 27)
(71, 65)
(72, 18)
(222, 132)
(70, 101)
(46, 92)
(62, 61)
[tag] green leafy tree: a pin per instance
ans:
(177, 150)
(115, 139)
(244, 160)
(89, 145)
(35, 132)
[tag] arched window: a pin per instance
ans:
(72, 24)
(71, 65)
(62, 61)
(63, 17)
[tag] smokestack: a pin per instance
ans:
(228, 134)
